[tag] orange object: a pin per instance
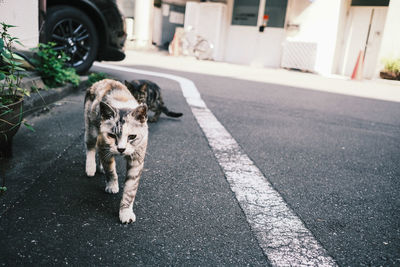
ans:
(174, 47)
(359, 67)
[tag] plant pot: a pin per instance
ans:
(389, 75)
(10, 121)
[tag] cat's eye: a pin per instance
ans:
(132, 137)
(111, 135)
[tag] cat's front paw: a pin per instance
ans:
(112, 187)
(90, 162)
(90, 169)
(127, 216)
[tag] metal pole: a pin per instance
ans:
(369, 31)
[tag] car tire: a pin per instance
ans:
(74, 33)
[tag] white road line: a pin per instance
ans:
(280, 233)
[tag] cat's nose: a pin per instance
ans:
(121, 150)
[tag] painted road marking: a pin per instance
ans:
(280, 233)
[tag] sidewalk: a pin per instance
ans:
(376, 89)
(20, 169)
(41, 98)
(53, 215)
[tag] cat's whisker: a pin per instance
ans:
(105, 155)
(108, 155)
(138, 156)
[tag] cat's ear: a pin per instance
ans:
(143, 88)
(106, 111)
(128, 84)
(140, 113)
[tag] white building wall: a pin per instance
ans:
(318, 22)
(247, 45)
(25, 15)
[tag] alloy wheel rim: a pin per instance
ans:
(73, 38)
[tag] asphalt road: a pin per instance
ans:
(334, 159)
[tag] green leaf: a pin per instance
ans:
(2, 76)
(5, 53)
(34, 88)
(24, 91)
(18, 42)
(8, 25)
(6, 60)
(17, 63)
(16, 56)
(6, 112)
(29, 127)
(19, 68)
(1, 44)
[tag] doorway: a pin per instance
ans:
(364, 30)
(246, 44)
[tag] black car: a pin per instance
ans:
(86, 30)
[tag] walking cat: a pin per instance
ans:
(148, 92)
(116, 124)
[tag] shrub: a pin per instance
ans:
(392, 65)
(51, 65)
(96, 76)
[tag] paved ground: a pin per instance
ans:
(333, 158)
(186, 214)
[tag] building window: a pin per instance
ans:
(370, 2)
(245, 12)
(276, 11)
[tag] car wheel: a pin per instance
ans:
(74, 33)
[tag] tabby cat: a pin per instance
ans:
(116, 124)
(148, 92)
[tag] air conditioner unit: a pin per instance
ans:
(299, 55)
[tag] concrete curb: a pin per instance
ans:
(42, 98)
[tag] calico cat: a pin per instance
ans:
(116, 124)
(148, 92)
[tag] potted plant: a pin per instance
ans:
(391, 69)
(11, 94)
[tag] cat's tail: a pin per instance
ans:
(170, 113)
